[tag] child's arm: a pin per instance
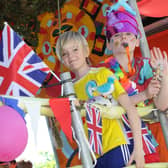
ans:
(159, 59)
(152, 89)
(138, 153)
(156, 89)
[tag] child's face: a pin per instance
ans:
(118, 41)
(74, 56)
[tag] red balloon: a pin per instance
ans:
(13, 134)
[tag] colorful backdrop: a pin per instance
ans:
(87, 17)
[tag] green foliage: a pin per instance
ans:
(46, 161)
(48, 164)
(21, 15)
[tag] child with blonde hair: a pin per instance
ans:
(72, 49)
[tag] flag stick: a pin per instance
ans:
(77, 122)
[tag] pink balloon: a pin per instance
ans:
(13, 134)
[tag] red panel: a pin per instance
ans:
(153, 8)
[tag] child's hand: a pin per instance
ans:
(159, 59)
(138, 157)
(153, 89)
(76, 102)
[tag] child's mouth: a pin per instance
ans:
(124, 44)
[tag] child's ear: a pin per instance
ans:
(109, 47)
(137, 42)
(87, 51)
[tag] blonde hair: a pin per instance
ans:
(67, 37)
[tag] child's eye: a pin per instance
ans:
(64, 54)
(116, 35)
(128, 34)
(75, 49)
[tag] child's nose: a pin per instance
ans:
(123, 36)
(71, 55)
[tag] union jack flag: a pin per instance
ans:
(94, 124)
(21, 70)
(148, 146)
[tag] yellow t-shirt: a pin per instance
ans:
(112, 133)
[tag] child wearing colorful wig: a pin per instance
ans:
(74, 50)
(136, 74)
